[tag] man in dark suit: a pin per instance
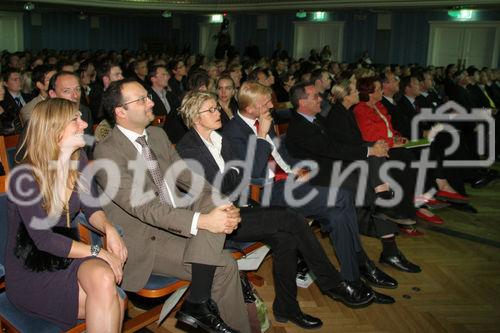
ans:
(408, 108)
(478, 97)
(166, 103)
(166, 231)
(285, 231)
(12, 103)
(107, 72)
(307, 139)
(268, 161)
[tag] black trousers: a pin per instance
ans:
(337, 218)
(287, 233)
(406, 179)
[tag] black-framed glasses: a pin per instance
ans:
(212, 110)
(140, 99)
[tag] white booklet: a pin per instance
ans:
(171, 302)
(252, 261)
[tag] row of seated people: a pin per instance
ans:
(258, 103)
(163, 234)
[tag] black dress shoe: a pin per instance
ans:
(303, 320)
(382, 299)
(374, 276)
(400, 262)
(351, 294)
(482, 181)
(464, 208)
(204, 315)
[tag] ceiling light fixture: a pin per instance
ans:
(29, 6)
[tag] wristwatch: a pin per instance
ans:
(94, 250)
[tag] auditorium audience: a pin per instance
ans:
(283, 230)
(351, 126)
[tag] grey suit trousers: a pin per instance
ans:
(226, 288)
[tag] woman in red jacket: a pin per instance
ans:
(375, 124)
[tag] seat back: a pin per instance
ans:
(8, 145)
(3, 220)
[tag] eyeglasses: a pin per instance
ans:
(142, 100)
(211, 110)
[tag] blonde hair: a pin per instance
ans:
(248, 93)
(341, 90)
(191, 105)
(41, 144)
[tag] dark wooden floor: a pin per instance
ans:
(457, 291)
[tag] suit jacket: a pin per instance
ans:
(403, 117)
(341, 126)
(11, 117)
(159, 108)
(310, 141)
(479, 99)
(28, 108)
(95, 100)
(148, 223)
(174, 125)
(192, 147)
(238, 135)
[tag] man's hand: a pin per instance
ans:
(222, 219)
(265, 122)
(379, 149)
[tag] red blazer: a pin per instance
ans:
(370, 124)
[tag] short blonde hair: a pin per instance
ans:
(191, 105)
(248, 93)
(341, 90)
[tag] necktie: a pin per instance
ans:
(166, 104)
(279, 173)
(18, 102)
(415, 106)
(492, 104)
(320, 125)
(154, 169)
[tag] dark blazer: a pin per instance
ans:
(174, 125)
(461, 96)
(479, 99)
(95, 100)
(11, 117)
(192, 146)
(238, 135)
(87, 116)
(341, 126)
(403, 117)
(179, 88)
(159, 108)
(310, 141)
